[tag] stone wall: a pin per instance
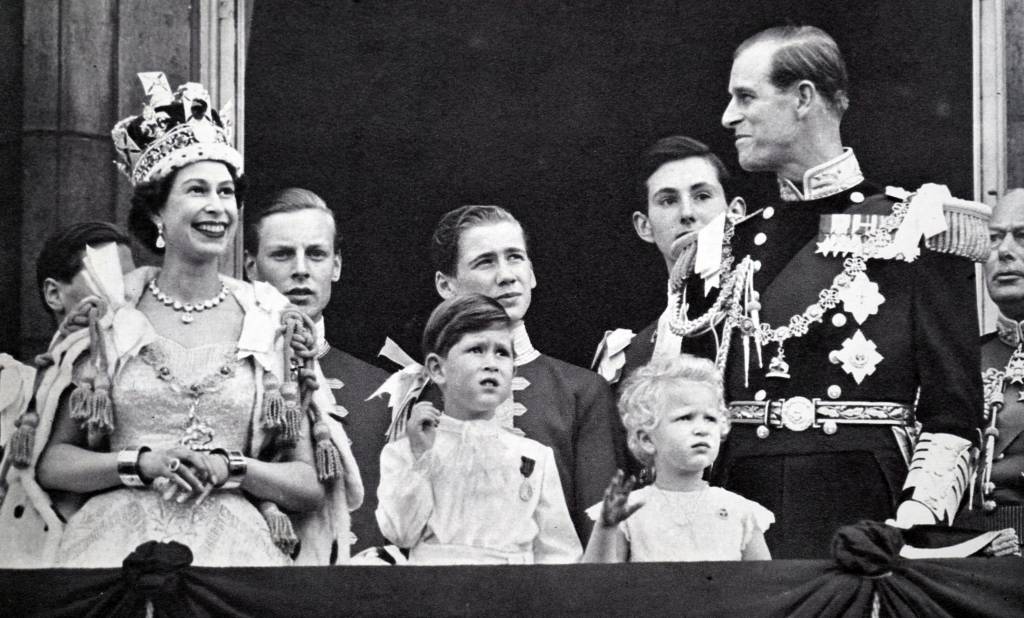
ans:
(79, 65)
(1014, 93)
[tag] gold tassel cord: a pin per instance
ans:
(289, 428)
(328, 458)
(281, 530)
(23, 441)
(300, 344)
(272, 417)
(286, 406)
(90, 402)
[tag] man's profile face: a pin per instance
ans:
(1004, 269)
(493, 262)
(296, 255)
(762, 117)
(682, 197)
(63, 297)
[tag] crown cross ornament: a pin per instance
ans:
(174, 129)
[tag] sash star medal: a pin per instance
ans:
(859, 356)
(861, 298)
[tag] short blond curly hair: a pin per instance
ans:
(642, 402)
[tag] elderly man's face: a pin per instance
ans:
(1004, 270)
(762, 117)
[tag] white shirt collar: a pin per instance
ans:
(829, 178)
(525, 352)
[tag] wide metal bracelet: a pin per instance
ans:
(236, 467)
(128, 466)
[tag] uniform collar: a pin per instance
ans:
(322, 347)
(829, 178)
(1010, 331)
(525, 352)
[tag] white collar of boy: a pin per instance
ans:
(525, 352)
(829, 178)
(476, 426)
(320, 330)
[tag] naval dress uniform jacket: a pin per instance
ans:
(925, 333)
(351, 381)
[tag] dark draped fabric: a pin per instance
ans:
(866, 566)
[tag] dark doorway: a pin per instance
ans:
(398, 111)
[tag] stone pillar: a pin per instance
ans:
(79, 68)
(1014, 93)
(11, 20)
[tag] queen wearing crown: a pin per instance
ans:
(187, 410)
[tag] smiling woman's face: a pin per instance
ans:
(200, 215)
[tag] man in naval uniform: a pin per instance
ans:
(1002, 357)
(293, 244)
(858, 318)
(483, 249)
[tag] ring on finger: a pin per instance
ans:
(174, 465)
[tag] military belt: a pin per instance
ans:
(801, 413)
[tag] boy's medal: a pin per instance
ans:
(526, 490)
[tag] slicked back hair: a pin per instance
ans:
(806, 52)
(677, 148)
(292, 199)
(444, 244)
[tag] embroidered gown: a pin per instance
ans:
(152, 400)
(480, 495)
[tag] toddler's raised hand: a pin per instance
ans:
(616, 507)
(422, 427)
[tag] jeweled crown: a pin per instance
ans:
(174, 129)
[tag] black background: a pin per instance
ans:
(396, 112)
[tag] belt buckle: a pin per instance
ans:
(797, 413)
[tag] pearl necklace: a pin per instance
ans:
(188, 308)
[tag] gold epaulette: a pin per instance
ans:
(966, 234)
